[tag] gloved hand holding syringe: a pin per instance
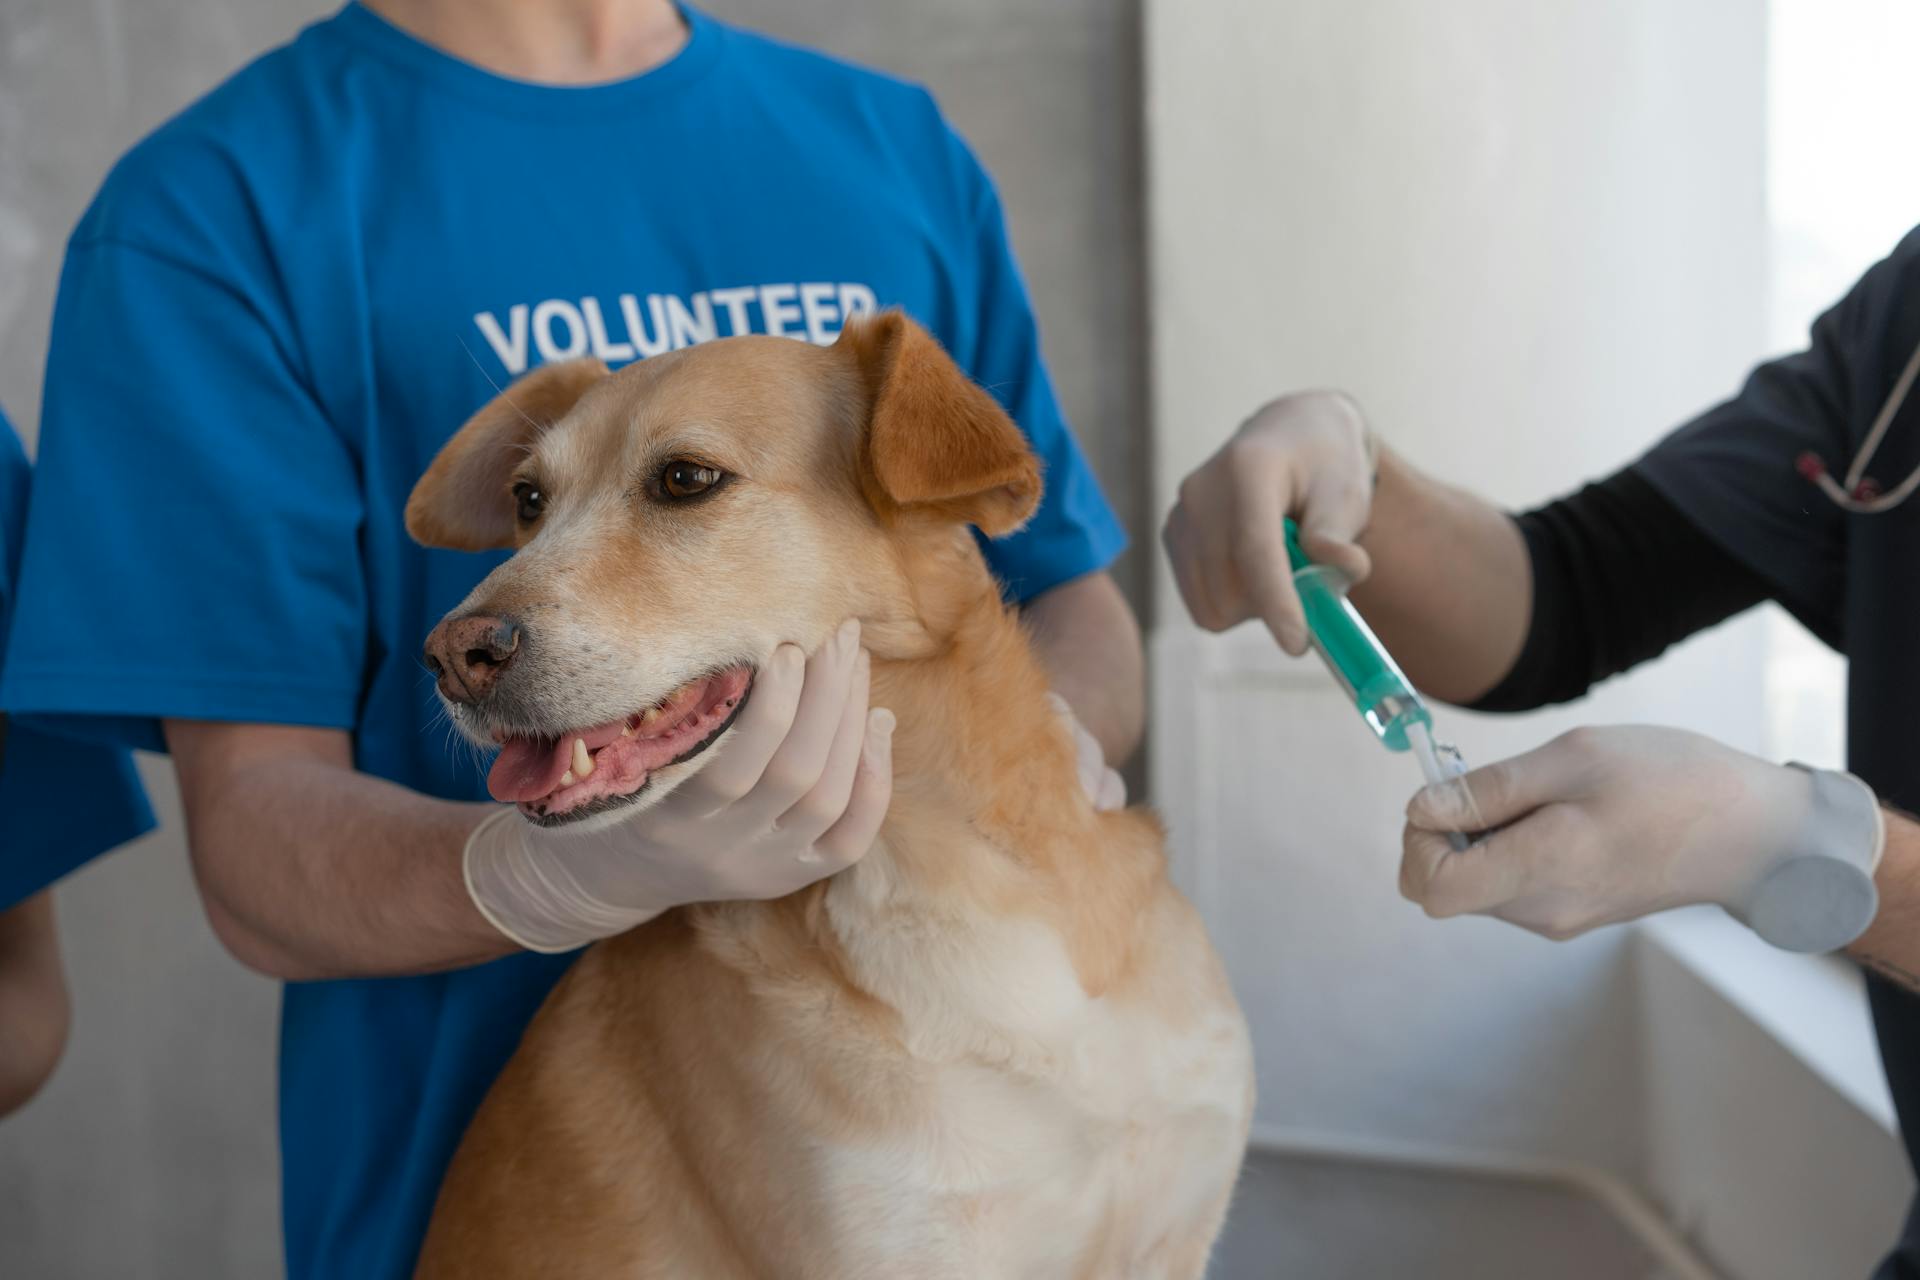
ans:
(1816, 893)
(1602, 824)
(1391, 707)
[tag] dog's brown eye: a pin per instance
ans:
(687, 479)
(528, 502)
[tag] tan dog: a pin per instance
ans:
(999, 1046)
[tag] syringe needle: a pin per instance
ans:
(1435, 770)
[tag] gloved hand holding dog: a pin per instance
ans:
(796, 793)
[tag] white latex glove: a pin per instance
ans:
(1609, 824)
(795, 793)
(1308, 456)
(1104, 786)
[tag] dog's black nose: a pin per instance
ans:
(467, 655)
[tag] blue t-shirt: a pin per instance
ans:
(283, 303)
(63, 802)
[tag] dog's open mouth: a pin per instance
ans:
(591, 770)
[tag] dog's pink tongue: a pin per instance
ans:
(529, 768)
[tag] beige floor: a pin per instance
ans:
(1298, 1219)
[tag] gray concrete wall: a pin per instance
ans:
(152, 1153)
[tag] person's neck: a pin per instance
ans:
(560, 42)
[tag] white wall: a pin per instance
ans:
(1770, 1130)
(1530, 238)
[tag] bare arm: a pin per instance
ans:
(1891, 945)
(1451, 593)
(312, 870)
(34, 1012)
(1444, 576)
(1089, 642)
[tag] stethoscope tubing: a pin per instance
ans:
(1859, 494)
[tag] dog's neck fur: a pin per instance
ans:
(994, 886)
(987, 803)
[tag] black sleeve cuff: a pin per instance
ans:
(1619, 575)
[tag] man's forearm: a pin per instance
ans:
(312, 870)
(1451, 593)
(1891, 945)
(1088, 640)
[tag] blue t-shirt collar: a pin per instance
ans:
(435, 66)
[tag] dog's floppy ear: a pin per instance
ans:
(935, 441)
(462, 501)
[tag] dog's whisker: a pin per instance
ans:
(498, 389)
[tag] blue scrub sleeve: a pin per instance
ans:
(193, 543)
(69, 803)
(64, 802)
(1074, 532)
(14, 476)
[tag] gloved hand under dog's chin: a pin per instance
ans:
(795, 792)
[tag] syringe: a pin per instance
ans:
(1819, 899)
(1362, 666)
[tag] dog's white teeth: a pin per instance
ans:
(626, 730)
(650, 715)
(567, 779)
(582, 762)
